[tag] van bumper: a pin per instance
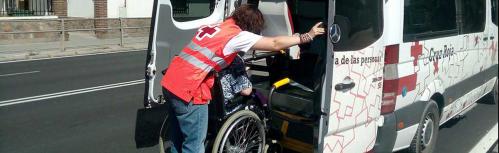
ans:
(387, 134)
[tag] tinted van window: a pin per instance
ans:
(187, 10)
(424, 19)
(494, 11)
(473, 16)
(361, 23)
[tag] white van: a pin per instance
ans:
(383, 78)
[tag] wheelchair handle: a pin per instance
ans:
(264, 55)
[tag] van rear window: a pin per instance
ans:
(188, 10)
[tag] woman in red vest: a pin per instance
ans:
(187, 82)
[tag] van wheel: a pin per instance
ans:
(426, 136)
(242, 132)
(494, 94)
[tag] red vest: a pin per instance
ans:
(187, 76)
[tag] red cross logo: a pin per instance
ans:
(477, 39)
(435, 65)
(207, 31)
(416, 50)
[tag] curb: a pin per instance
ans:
(48, 54)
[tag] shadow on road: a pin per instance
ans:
(452, 122)
(486, 100)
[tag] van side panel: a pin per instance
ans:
(482, 46)
(461, 67)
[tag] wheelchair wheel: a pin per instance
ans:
(243, 132)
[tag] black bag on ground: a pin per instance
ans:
(149, 123)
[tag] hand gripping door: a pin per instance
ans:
(168, 36)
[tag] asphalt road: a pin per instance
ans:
(462, 134)
(104, 121)
(56, 75)
(100, 122)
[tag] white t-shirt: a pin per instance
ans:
(241, 42)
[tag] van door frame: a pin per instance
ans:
(183, 31)
(327, 85)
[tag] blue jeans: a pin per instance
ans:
(188, 125)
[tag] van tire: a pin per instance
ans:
(230, 125)
(493, 94)
(424, 142)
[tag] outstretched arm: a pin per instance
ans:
(282, 42)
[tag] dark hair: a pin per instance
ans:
(248, 18)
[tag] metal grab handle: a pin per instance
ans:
(283, 115)
(275, 86)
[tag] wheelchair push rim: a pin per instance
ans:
(243, 132)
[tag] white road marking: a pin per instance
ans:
(68, 93)
(20, 73)
(487, 141)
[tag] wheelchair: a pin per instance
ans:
(279, 116)
(287, 97)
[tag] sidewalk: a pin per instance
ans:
(78, 43)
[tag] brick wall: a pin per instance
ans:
(100, 11)
(42, 25)
(60, 7)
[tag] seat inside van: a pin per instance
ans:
(307, 70)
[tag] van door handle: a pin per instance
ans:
(346, 85)
(485, 39)
(491, 37)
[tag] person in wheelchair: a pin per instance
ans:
(190, 76)
(234, 80)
